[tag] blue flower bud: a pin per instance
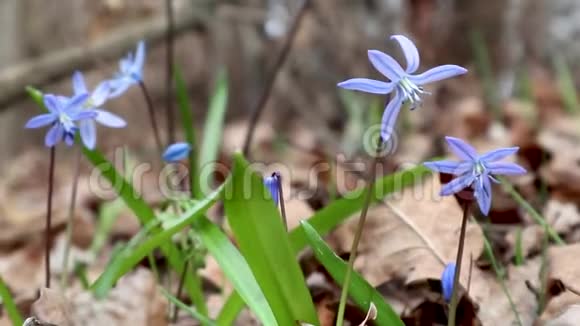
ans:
(272, 183)
(447, 281)
(176, 152)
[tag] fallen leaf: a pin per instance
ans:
(563, 267)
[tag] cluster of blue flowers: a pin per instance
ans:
(81, 111)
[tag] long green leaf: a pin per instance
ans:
(126, 260)
(263, 241)
(335, 213)
(235, 268)
(360, 290)
(192, 312)
(214, 122)
(9, 304)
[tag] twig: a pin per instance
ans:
(152, 119)
(70, 217)
(49, 217)
(169, 44)
(261, 104)
(455, 296)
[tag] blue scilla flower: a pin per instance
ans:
(176, 152)
(130, 71)
(62, 115)
(404, 84)
(272, 184)
(475, 170)
(94, 102)
(447, 281)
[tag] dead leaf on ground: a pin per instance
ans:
(569, 317)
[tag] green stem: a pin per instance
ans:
(455, 296)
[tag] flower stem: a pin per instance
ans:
(357, 236)
(286, 49)
(49, 217)
(151, 112)
(169, 73)
(70, 218)
(281, 199)
(455, 296)
(180, 289)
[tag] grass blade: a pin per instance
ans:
(212, 134)
(9, 305)
(192, 312)
(263, 241)
(566, 85)
(235, 268)
(360, 290)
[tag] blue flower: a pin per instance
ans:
(406, 86)
(94, 102)
(130, 71)
(273, 185)
(475, 170)
(176, 152)
(447, 281)
(62, 114)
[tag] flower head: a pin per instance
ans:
(447, 281)
(94, 102)
(403, 83)
(176, 152)
(273, 184)
(63, 113)
(130, 71)
(475, 170)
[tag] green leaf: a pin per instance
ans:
(9, 305)
(566, 85)
(263, 241)
(185, 113)
(235, 268)
(360, 290)
(192, 312)
(335, 213)
(212, 134)
(132, 255)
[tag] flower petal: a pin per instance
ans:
(367, 85)
(437, 73)
(272, 185)
(75, 104)
(447, 279)
(410, 52)
(51, 103)
(78, 81)
(84, 115)
(450, 167)
(498, 154)
(386, 65)
(69, 138)
(457, 184)
(88, 132)
(390, 117)
(40, 121)
(462, 149)
(139, 58)
(101, 94)
(505, 168)
(119, 86)
(176, 152)
(109, 119)
(54, 135)
(483, 194)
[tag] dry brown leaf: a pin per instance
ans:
(570, 317)
(391, 249)
(563, 266)
(563, 217)
(532, 237)
(136, 300)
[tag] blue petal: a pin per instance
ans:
(88, 133)
(457, 184)
(119, 86)
(367, 85)
(84, 115)
(437, 73)
(78, 81)
(483, 194)
(75, 104)
(41, 120)
(498, 154)
(101, 94)
(410, 52)
(386, 65)
(390, 117)
(109, 119)
(449, 167)
(447, 279)
(54, 135)
(176, 152)
(505, 168)
(69, 138)
(51, 103)
(272, 185)
(139, 58)
(462, 149)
